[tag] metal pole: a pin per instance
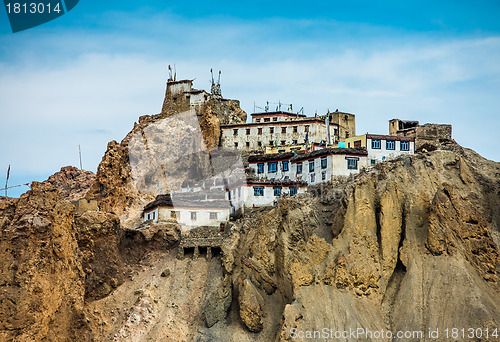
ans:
(80, 152)
(7, 181)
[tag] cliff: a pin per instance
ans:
(408, 245)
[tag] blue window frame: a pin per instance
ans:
(277, 191)
(352, 164)
(373, 161)
(260, 168)
(323, 163)
(293, 191)
(376, 143)
(258, 191)
(285, 165)
(299, 168)
(390, 145)
(404, 146)
(272, 167)
(311, 166)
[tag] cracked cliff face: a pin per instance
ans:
(411, 244)
(414, 247)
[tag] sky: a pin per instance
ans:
(84, 78)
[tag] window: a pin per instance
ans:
(294, 129)
(235, 145)
(283, 129)
(294, 142)
(390, 145)
(257, 120)
(235, 132)
(174, 214)
(357, 143)
(229, 195)
(267, 120)
(271, 130)
(293, 191)
(283, 142)
(373, 161)
(259, 131)
(346, 134)
(323, 175)
(323, 163)
(299, 168)
(404, 146)
(352, 164)
(258, 191)
(376, 143)
(239, 192)
(248, 131)
(213, 216)
(272, 167)
(247, 144)
(307, 128)
(312, 178)
(260, 168)
(285, 165)
(193, 216)
(271, 143)
(259, 143)
(275, 119)
(277, 191)
(311, 166)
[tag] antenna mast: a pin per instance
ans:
(80, 153)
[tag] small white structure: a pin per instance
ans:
(382, 147)
(271, 165)
(323, 165)
(266, 193)
(187, 212)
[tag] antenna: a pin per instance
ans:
(175, 73)
(170, 73)
(7, 181)
(80, 153)
(212, 74)
(218, 82)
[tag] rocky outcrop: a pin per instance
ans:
(218, 303)
(98, 236)
(251, 305)
(41, 278)
(72, 182)
(413, 246)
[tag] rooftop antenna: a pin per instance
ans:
(80, 153)
(212, 74)
(170, 73)
(175, 73)
(218, 82)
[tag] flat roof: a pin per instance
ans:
(280, 112)
(360, 151)
(279, 123)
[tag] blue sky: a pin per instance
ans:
(84, 78)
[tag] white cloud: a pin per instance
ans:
(91, 98)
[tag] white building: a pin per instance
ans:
(187, 213)
(271, 165)
(314, 167)
(382, 147)
(273, 129)
(324, 165)
(264, 193)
